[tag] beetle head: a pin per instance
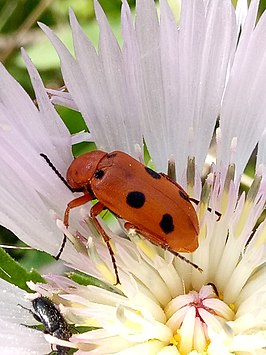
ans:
(83, 168)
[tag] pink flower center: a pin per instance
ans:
(191, 316)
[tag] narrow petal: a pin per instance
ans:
(15, 337)
(243, 108)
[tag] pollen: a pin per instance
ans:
(176, 339)
(232, 306)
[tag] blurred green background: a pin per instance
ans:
(18, 28)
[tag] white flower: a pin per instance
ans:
(168, 84)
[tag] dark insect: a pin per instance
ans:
(54, 323)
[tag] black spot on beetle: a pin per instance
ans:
(135, 199)
(99, 174)
(184, 196)
(167, 223)
(152, 173)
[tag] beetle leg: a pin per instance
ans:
(214, 288)
(161, 243)
(61, 248)
(95, 210)
(190, 198)
(30, 311)
(182, 257)
(79, 201)
(72, 204)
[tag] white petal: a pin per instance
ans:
(147, 32)
(211, 35)
(53, 124)
(121, 122)
(249, 342)
(15, 338)
(241, 13)
(186, 343)
(261, 157)
(28, 185)
(243, 109)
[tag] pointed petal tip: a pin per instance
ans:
(98, 10)
(46, 29)
(72, 16)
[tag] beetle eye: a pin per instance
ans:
(99, 174)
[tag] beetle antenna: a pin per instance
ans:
(209, 208)
(20, 305)
(48, 161)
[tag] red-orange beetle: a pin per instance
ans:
(151, 203)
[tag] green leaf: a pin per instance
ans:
(81, 329)
(85, 280)
(13, 272)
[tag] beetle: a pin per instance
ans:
(54, 323)
(151, 203)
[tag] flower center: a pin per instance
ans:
(192, 316)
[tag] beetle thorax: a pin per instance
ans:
(83, 168)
